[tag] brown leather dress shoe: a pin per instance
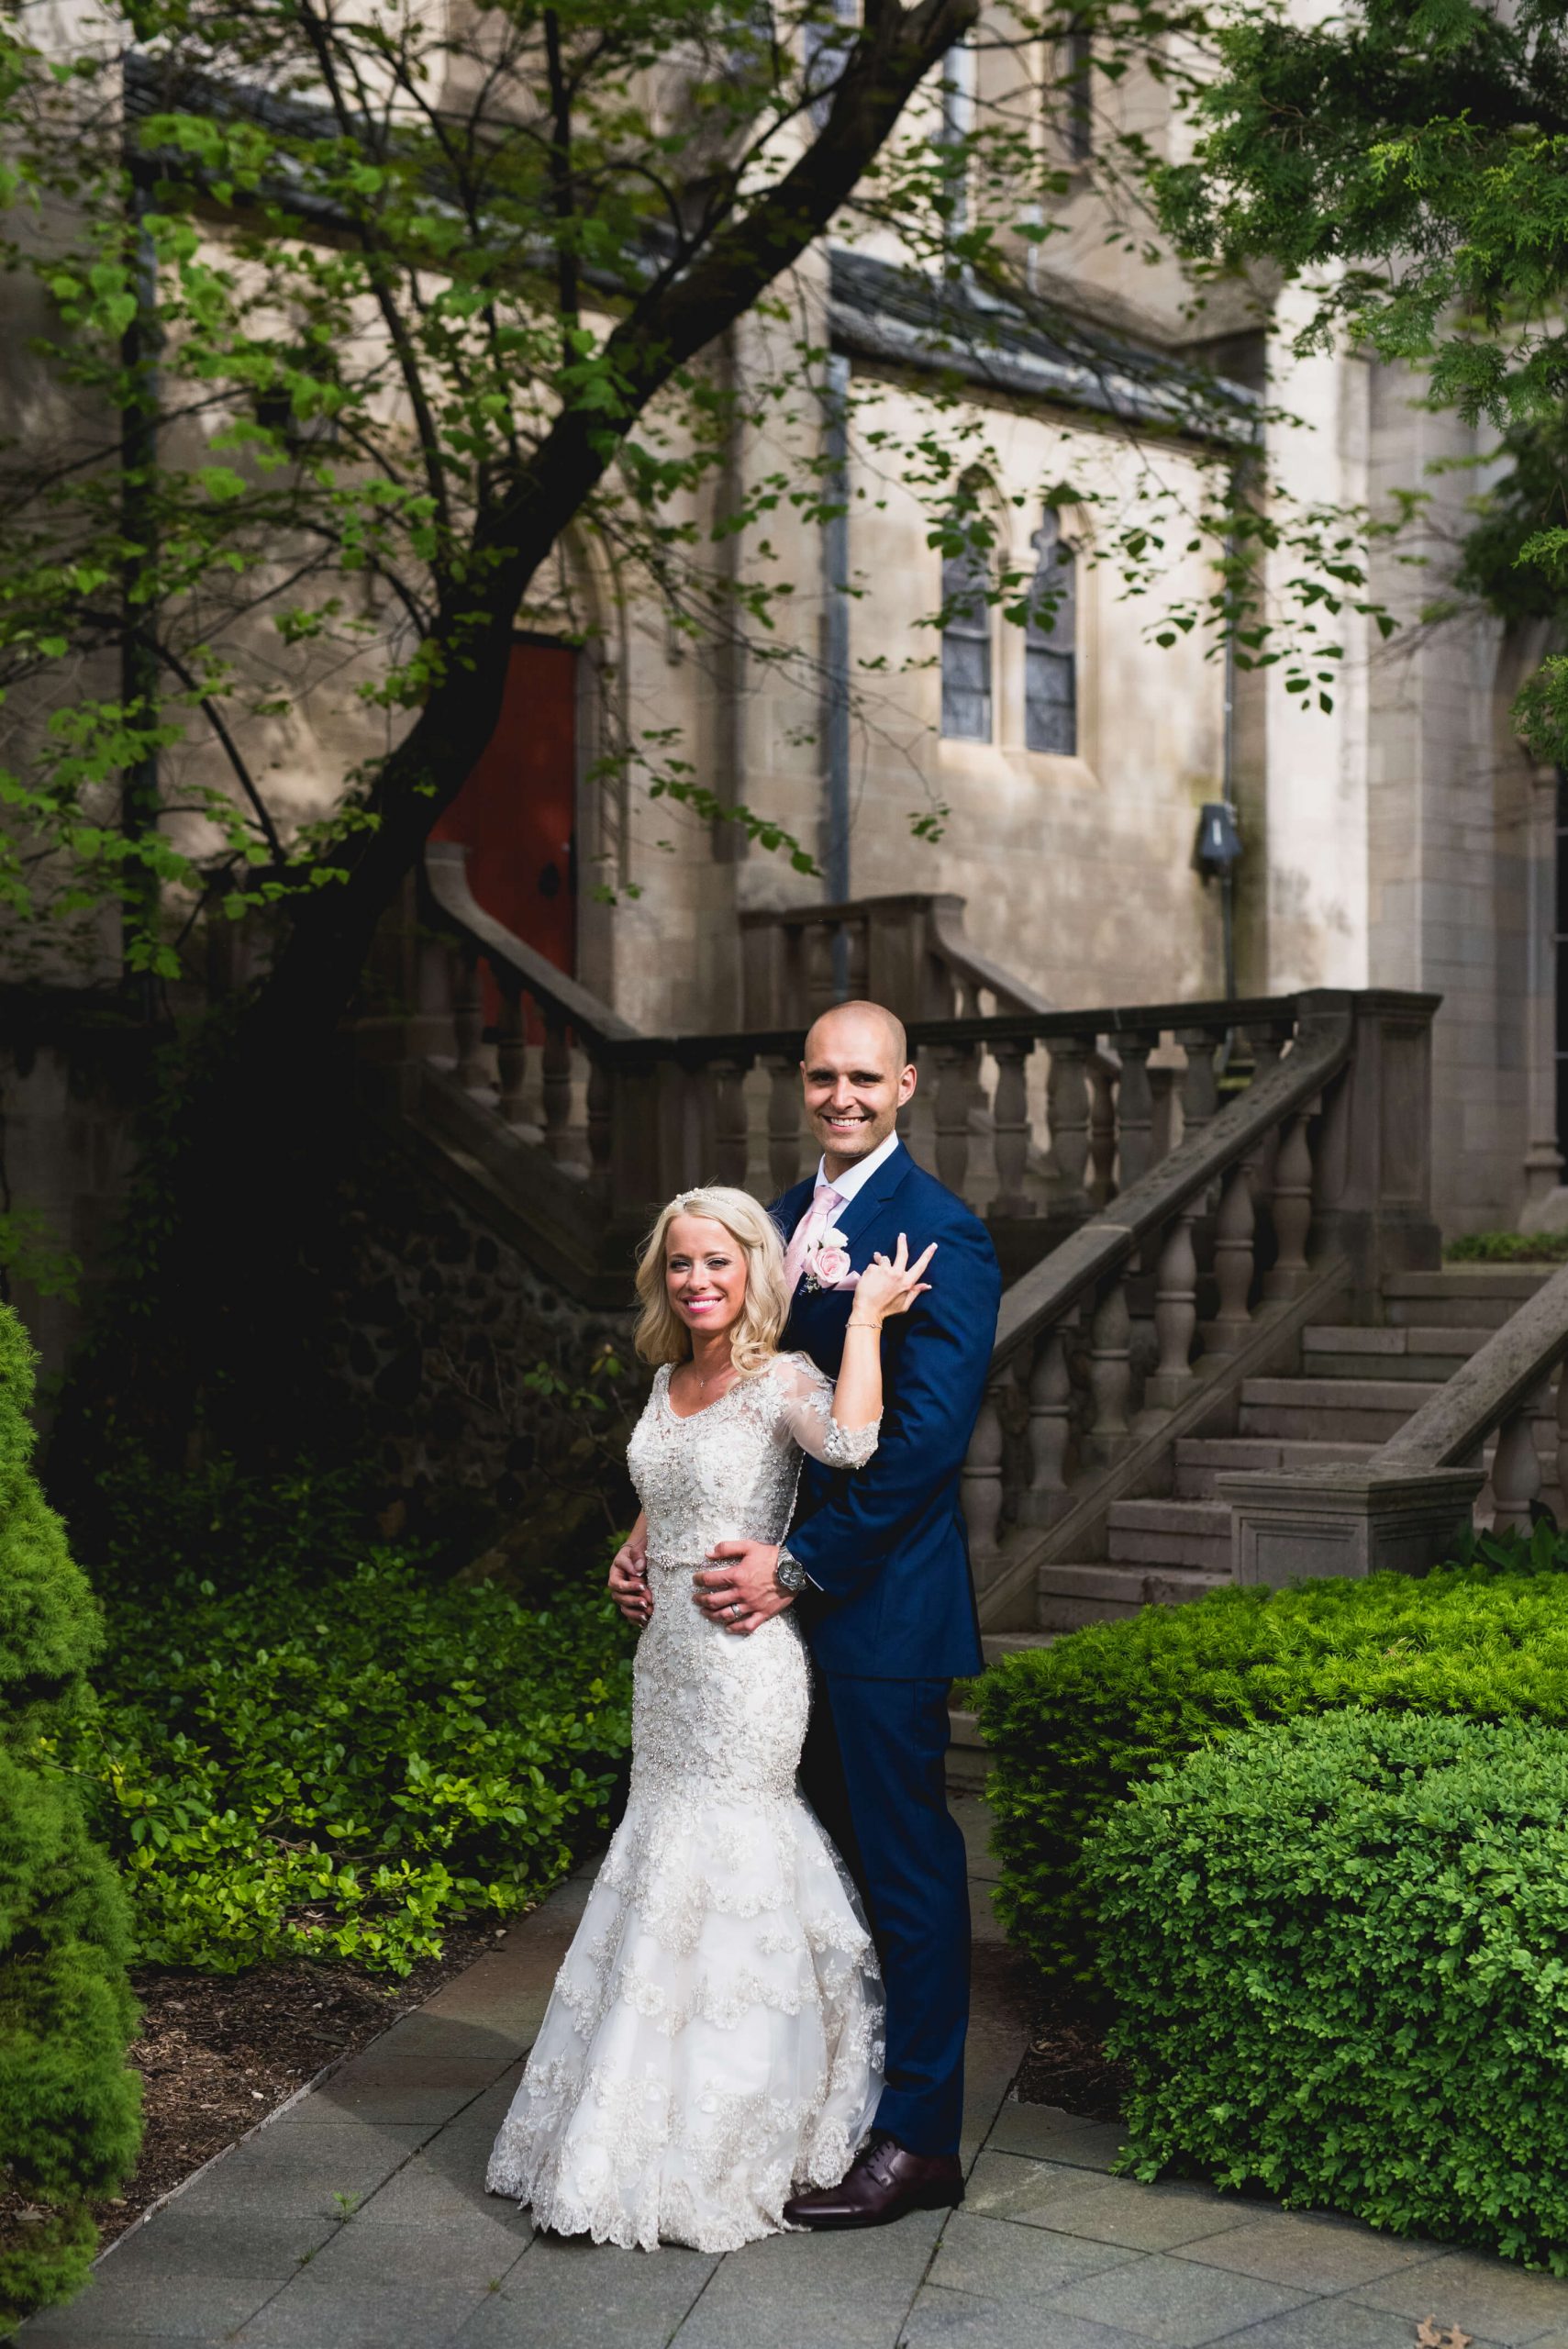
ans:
(883, 2184)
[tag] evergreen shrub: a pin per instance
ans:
(1074, 1726)
(69, 2105)
(1339, 1949)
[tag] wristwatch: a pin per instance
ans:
(789, 1574)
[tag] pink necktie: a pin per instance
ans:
(812, 1224)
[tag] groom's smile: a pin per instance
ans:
(856, 1077)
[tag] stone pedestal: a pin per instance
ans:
(1306, 1524)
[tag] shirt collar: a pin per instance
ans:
(861, 1173)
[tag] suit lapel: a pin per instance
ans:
(873, 1196)
(791, 1204)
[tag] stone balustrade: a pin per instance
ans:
(910, 951)
(1172, 1188)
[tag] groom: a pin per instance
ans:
(878, 1565)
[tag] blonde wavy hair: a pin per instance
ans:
(662, 1336)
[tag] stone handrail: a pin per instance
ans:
(910, 951)
(1490, 1390)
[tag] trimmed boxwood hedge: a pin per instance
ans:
(69, 2105)
(1074, 1726)
(1339, 1949)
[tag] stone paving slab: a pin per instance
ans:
(357, 2219)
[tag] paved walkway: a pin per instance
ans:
(357, 2219)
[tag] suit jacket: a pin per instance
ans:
(887, 1545)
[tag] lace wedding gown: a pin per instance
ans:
(714, 2040)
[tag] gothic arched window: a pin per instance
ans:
(966, 633)
(1050, 643)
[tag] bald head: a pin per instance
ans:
(861, 1021)
(856, 1078)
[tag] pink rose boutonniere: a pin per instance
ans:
(828, 1264)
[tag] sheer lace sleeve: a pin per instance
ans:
(804, 1414)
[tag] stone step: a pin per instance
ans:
(1479, 1297)
(999, 1643)
(1202, 1458)
(1071, 1596)
(1414, 1351)
(1170, 1533)
(1332, 1411)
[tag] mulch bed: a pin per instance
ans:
(1066, 2065)
(218, 2052)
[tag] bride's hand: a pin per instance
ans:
(629, 1586)
(891, 1285)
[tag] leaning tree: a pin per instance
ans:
(346, 315)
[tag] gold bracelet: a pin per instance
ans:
(853, 1324)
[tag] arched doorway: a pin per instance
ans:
(517, 813)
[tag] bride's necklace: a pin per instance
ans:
(703, 1382)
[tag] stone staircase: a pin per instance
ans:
(1356, 1387)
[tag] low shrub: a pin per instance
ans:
(1339, 1950)
(1509, 1248)
(68, 2104)
(1073, 1726)
(337, 1763)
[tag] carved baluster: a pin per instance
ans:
(1067, 1108)
(1110, 1370)
(601, 1131)
(730, 1130)
(783, 1120)
(1176, 1314)
(557, 1086)
(981, 1483)
(1515, 1468)
(1233, 1232)
(1050, 1391)
(1102, 1128)
(468, 1024)
(1200, 1095)
(955, 1063)
(1292, 1204)
(1162, 1086)
(1010, 1121)
(1135, 1111)
(1265, 1043)
(511, 1050)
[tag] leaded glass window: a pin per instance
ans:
(1051, 639)
(967, 640)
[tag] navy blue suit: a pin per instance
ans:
(891, 1622)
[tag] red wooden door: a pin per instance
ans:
(516, 813)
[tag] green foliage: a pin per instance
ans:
(1339, 1950)
(68, 2104)
(1074, 1726)
(312, 1745)
(1509, 1248)
(1404, 160)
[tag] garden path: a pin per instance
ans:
(357, 2219)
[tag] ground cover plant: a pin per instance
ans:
(1339, 1949)
(1075, 1726)
(315, 1743)
(68, 2102)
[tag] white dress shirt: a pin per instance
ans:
(850, 1182)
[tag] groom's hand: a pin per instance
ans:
(739, 1590)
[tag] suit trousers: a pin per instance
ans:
(874, 1772)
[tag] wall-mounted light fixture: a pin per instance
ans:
(1218, 844)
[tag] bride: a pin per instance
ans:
(714, 2040)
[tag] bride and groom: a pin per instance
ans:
(761, 2021)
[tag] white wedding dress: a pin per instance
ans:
(715, 2038)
